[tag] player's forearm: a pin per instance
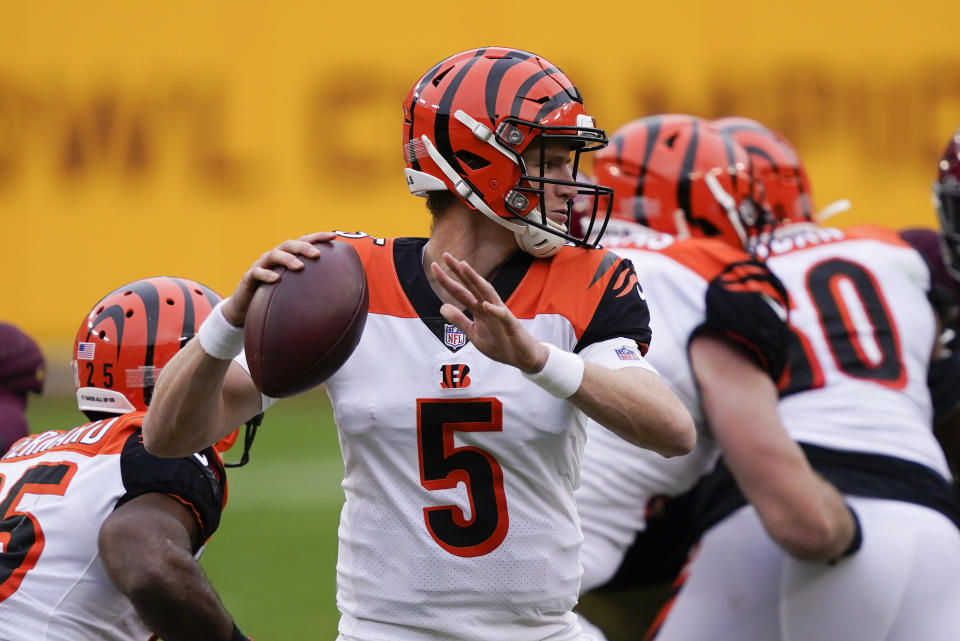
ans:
(179, 604)
(636, 404)
(802, 512)
(187, 412)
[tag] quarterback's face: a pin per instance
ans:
(556, 166)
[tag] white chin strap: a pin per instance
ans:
(538, 242)
(533, 240)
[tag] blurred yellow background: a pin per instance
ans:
(186, 138)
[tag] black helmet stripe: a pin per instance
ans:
(525, 88)
(150, 298)
(427, 77)
(497, 71)
(115, 313)
(684, 184)
(653, 132)
(558, 100)
(189, 313)
(441, 126)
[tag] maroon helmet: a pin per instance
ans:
(946, 196)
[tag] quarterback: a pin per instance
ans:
(460, 413)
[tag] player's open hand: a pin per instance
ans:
(494, 330)
(286, 254)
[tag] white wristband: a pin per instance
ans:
(218, 337)
(561, 374)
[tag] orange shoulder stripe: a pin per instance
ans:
(570, 284)
(386, 294)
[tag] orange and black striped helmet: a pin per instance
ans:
(779, 176)
(677, 174)
(468, 121)
(129, 335)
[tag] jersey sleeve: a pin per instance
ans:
(747, 304)
(197, 481)
(621, 313)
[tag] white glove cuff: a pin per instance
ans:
(218, 337)
(561, 374)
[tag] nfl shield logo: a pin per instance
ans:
(626, 354)
(453, 337)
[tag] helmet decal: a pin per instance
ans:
(129, 335)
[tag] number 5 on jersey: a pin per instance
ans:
(443, 466)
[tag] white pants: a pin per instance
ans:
(903, 584)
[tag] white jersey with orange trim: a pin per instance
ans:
(692, 285)
(855, 398)
(56, 490)
(459, 521)
(863, 334)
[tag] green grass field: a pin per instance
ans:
(273, 559)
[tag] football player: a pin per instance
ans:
(855, 397)
(98, 538)
(945, 368)
(22, 371)
(719, 318)
(460, 411)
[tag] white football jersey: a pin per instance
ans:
(863, 333)
(619, 479)
(56, 490)
(459, 521)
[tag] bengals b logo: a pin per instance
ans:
(454, 376)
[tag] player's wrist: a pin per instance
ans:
(218, 337)
(856, 539)
(562, 373)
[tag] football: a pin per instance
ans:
(300, 329)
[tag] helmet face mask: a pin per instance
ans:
(467, 124)
(128, 337)
(946, 198)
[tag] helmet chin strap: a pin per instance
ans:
(537, 242)
(533, 240)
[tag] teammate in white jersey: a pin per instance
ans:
(461, 430)
(98, 537)
(855, 397)
(720, 320)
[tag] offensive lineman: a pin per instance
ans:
(855, 397)
(459, 521)
(98, 537)
(720, 319)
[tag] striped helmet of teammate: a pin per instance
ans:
(780, 177)
(468, 122)
(679, 175)
(127, 338)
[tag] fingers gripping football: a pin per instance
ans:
(263, 271)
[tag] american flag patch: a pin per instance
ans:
(85, 351)
(626, 354)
